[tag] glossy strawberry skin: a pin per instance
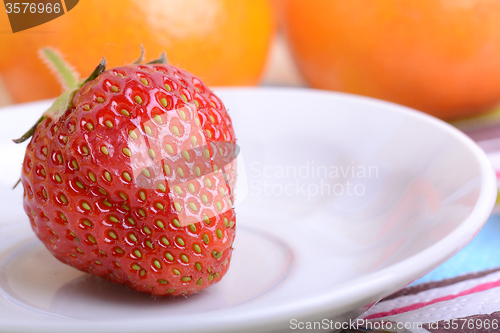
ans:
(117, 187)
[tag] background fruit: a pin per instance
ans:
(439, 56)
(224, 42)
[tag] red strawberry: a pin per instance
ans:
(127, 181)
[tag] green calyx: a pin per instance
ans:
(141, 57)
(68, 78)
(30, 132)
(161, 60)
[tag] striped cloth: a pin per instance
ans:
(462, 295)
(465, 304)
(460, 292)
(485, 130)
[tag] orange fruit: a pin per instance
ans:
(438, 56)
(224, 42)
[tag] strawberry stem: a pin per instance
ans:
(66, 75)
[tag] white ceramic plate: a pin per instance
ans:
(347, 200)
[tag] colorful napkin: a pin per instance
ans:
(463, 294)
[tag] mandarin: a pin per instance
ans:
(438, 56)
(224, 42)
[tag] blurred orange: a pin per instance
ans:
(438, 56)
(224, 42)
